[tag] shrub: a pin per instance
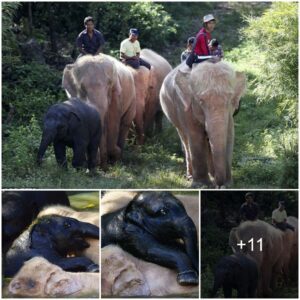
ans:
(19, 149)
(275, 34)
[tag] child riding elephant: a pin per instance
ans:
(76, 124)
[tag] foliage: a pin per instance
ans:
(31, 89)
(275, 34)
(10, 53)
(155, 25)
(19, 149)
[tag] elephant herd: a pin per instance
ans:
(200, 103)
(254, 269)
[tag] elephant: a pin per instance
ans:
(271, 254)
(237, 271)
(200, 103)
(149, 227)
(20, 208)
(92, 252)
(109, 85)
(76, 124)
(52, 237)
(38, 278)
(293, 264)
(147, 87)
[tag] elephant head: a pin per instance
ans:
(213, 91)
(164, 217)
(58, 122)
(63, 233)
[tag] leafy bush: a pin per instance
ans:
(155, 24)
(31, 89)
(275, 34)
(19, 149)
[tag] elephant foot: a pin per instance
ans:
(189, 277)
(200, 184)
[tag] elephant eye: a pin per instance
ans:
(67, 225)
(163, 211)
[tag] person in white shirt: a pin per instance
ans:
(130, 51)
(279, 217)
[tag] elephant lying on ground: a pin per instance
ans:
(147, 87)
(75, 124)
(200, 103)
(20, 208)
(92, 252)
(52, 237)
(109, 85)
(136, 277)
(276, 250)
(237, 271)
(39, 278)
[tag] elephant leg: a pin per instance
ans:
(199, 156)
(60, 153)
(92, 154)
(227, 291)
(139, 123)
(79, 156)
(184, 143)
(229, 150)
(266, 281)
(126, 123)
(251, 291)
(146, 247)
(76, 264)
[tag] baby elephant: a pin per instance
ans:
(236, 271)
(54, 238)
(151, 227)
(76, 124)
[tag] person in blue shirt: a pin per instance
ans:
(90, 40)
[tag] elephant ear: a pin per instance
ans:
(239, 90)
(183, 88)
(73, 119)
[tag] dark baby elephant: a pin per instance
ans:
(76, 124)
(53, 237)
(20, 208)
(236, 271)
(150, 228)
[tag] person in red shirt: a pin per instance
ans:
(204, 36)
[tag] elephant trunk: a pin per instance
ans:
(47, 139)
(190, 239)
(217, 130)
(89, 230)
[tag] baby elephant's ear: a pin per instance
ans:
(183, 88)
(60, 284)
(73, 118)
(133, 213)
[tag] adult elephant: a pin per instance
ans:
(128, 275)
(271, 254)
(109, 85)
(294, 259)
(200, 103)
(147, 87)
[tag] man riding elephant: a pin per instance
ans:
(130, 51)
